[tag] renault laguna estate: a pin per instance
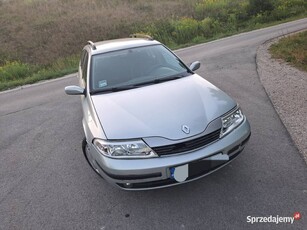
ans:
(149, 120)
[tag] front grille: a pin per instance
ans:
(187, 145)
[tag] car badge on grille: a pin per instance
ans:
(185, 129)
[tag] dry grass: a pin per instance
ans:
(292, 49)
(41, 31)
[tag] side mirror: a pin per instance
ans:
(74, 90)
(195, 65)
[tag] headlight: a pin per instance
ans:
(231, 121)
(126, 149)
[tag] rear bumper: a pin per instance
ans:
(143, 174)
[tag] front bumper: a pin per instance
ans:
(143, 174)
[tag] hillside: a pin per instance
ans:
(42, 39)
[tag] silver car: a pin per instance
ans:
(149, 120)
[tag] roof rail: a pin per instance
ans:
(141, 36)
(91, 44)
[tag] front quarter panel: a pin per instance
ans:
(91, 124)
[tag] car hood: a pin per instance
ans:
(160, 110)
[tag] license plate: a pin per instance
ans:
(197, 168)
(180, 173)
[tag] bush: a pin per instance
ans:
(185, 30)
(288, 8)
(206, 27)
(261, 7)
(15, 70)
(159, 30)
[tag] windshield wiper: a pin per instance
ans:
(159, 80)
(113, 89)
(137, 85)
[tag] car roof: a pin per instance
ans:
(119, 44)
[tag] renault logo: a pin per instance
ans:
(185, 129)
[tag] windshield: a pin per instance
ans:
(134, 67)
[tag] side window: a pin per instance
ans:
(83, 63)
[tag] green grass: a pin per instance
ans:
(15, 73)
(292, 49)
(202, 39)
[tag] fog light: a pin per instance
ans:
(128, 185)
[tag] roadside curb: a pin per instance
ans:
(38, 83)
(286, 88)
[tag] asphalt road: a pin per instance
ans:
(45, 182)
